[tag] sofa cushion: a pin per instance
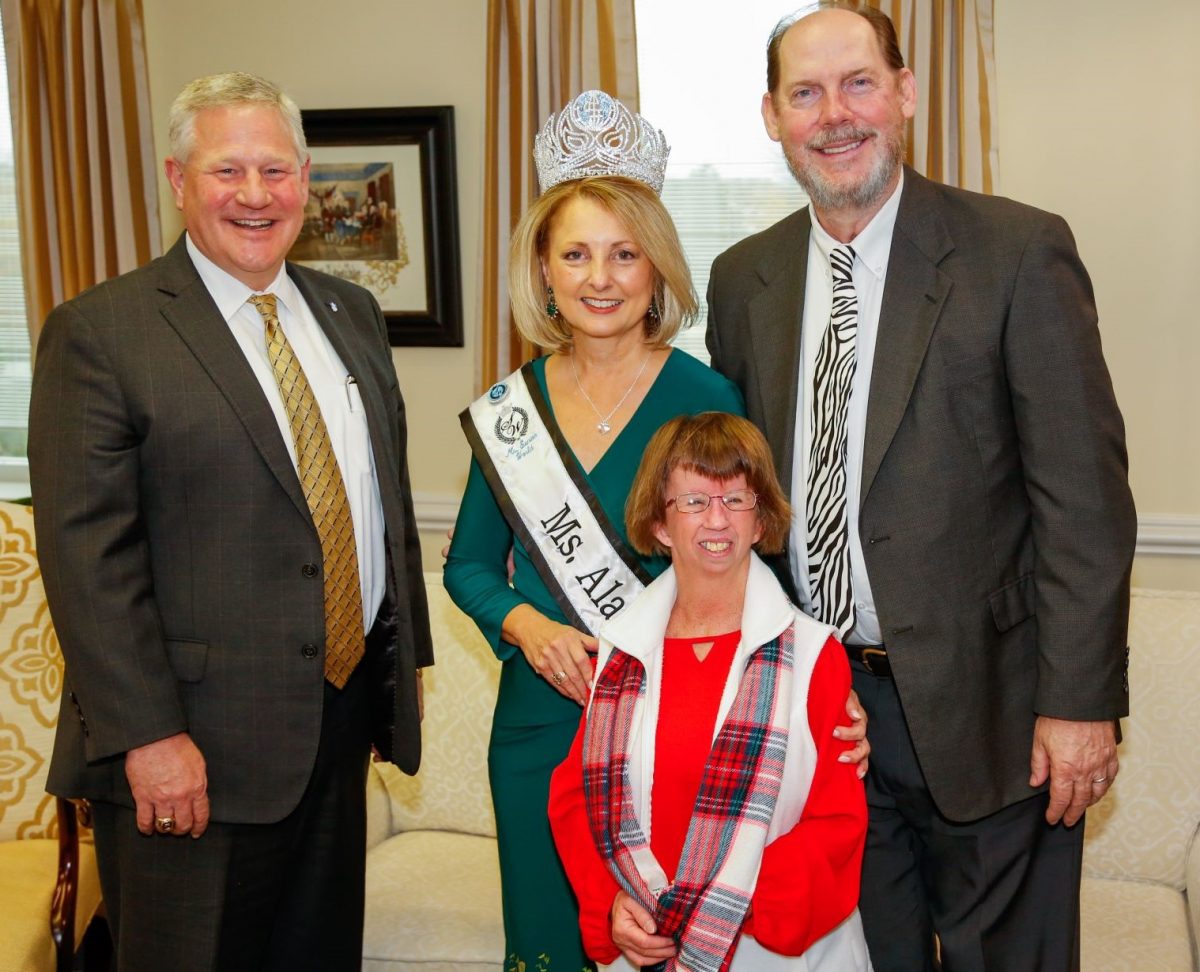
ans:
(450, 792)
(1142, 830)
(433, 904)
(28, 869)
(1130, 925)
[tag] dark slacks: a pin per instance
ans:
(1001, 893)
(287, 895)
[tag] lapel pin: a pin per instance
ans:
(333, 306)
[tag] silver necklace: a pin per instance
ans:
(603, 426)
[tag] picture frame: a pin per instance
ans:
(383, 212)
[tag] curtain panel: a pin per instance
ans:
(541, 53)
(87, 198)
(948, 45)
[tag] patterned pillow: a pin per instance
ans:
(451, 790)
(1142, 830)
(30, 683)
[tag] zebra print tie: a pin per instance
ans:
(828, 540)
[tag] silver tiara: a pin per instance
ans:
(596, 135)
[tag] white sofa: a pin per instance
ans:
(1141, 864)
(433, 877)
(433, 886)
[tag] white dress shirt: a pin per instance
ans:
(872, 248)
(336, 393)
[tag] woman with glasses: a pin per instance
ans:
(705, 816)
(598, 279)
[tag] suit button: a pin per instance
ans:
(309, 570)
(308, 651)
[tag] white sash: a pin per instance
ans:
(549, 503)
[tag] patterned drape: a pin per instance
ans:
(948, 44)
(541, 53)
(86, 184)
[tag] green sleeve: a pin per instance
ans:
(476, 570)
(731, 398)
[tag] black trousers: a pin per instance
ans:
(1001, 894)
(287, 895)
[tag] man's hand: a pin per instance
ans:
(633, 931)
(1080, 760)
(856, 732)
(168, 779)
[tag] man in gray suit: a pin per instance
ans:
(927, 367)
(225, 528)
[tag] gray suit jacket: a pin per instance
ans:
(174, 538)
(997, 523)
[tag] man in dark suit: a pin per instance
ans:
(226, 532)
(927, 367)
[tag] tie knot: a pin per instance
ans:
(842, 258)
(265, 305)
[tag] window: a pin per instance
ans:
(14, 333)
(702, 73)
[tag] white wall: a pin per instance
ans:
(362, 53)
(1098, 106)
(1100, 121)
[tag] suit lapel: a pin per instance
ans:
(190, 310)
(913, 297)
(775, 314)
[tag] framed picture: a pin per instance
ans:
(383, 212)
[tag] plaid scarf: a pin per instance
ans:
(704, 908)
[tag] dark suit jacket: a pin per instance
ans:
(996, 519)
(173, 538)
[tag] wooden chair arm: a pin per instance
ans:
(66, 890)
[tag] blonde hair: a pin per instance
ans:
(223, 91)
(639, 209)
(720, 446)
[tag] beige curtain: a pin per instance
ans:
(948, 44)
(541, 53)
(86, 190)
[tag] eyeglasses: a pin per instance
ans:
(735, 501)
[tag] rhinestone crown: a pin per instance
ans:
(596, 135)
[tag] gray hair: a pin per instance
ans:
(222, 91)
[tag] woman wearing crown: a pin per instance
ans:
(597, 278)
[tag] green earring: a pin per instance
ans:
(551, 307)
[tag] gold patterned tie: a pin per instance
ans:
(325, 493)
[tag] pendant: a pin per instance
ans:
(603, 428)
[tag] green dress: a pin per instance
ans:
(534, 725)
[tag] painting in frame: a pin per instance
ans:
(382, 212)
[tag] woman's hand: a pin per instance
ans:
(856, 733)
(560, 654)
(633, 931)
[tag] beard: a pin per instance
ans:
(829, 195)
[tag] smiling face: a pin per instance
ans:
(839, 111)
(242, 190)
(603, 281)
(714, 542)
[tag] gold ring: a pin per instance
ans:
(164, 825)
(559, 677)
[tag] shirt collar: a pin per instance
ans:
(873, 245)
(229, 293)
